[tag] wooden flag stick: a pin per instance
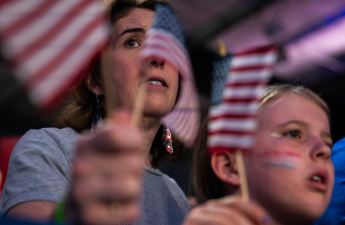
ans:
(108, 80)
(222, 48)
(243, 182)
(242, 175)
(139, 106)
(109, 87)
(139, 102)
(239, 154)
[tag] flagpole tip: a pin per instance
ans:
(222, 48)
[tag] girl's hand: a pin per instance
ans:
(231, 210)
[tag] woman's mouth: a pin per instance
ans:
(156, 82)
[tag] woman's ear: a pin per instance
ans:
(92, 85)
(225, 168)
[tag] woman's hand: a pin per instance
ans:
(107, 175)
(228, 211)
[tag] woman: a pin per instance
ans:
(107, 171)
(289, 171)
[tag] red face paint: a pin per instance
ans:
(279, 153)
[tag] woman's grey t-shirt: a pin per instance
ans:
(40, 169)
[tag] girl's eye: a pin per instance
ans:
(293, 134)
(131, 43)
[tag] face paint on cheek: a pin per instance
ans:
(281, 164)
(283, 159)
(276, 135)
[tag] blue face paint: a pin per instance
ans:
(276, 164)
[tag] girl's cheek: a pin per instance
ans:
(279, 159)
(280, 156)
(279, 164)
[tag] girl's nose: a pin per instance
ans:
(320, 149)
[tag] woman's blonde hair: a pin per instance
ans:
(205, 183)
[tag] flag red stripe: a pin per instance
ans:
(26, 20)
(221, 149)
(53, 32)
(265, 49)
(230, 132)
(240, 100)
(249, 68)
(3, 3)
(245, 84)
(63, 55)
(232, 116)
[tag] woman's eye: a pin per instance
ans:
(131, 43)
(293, 134)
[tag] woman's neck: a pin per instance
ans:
(149, 128)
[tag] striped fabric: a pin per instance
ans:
(232, 122)
(50, 42)
(165, 39)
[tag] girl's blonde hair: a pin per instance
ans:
(274, 92)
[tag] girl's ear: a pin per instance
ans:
(225, 168)
(92, 85)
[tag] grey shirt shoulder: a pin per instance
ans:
(39, 167)
(178, 194)
(162, 201)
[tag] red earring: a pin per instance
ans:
(167, 142)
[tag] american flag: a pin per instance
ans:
(50, 42)
(220, 73)
(232, 120)
(165, 39)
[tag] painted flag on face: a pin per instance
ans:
(50, 42)
(232, 121)
(165, 39)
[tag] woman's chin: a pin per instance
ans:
(156, 108)
(157, 113)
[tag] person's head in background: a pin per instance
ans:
(130, 20)
(289, 170)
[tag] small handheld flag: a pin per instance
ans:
(232, 120)
(50, 42)
(165, 39)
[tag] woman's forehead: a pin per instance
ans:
(136, 18)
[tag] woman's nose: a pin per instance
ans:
(157, 62)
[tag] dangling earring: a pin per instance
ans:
(167, 142)
(97, 119)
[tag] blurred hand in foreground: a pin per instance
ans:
(107, 175)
